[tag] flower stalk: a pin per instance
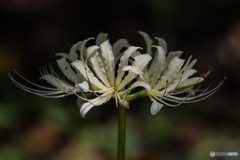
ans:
(121, 133)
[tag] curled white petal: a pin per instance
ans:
(124, 62)
(159, 66)
(135, 70)
(141, 84)
(155, 107)
(101, 37)
(140, 61)
(162, 43)
(117, 46)
(148, 41)
(91, 51)
(84, 86)
(67, 70)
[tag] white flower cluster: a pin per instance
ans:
(105, 72)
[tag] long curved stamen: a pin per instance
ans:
(204, 90)
(165, 89)
(208, 92)
(30, 90)
(54, 72)
(171, 105)
(45, 74)
(35, 90)
(33, 83)
(191, 99)
(178, 82)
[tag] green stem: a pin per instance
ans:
(121, 133)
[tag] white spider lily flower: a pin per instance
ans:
(167, 78)
(101, 75)
(91, 70)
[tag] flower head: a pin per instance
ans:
(167, 77)
(93, 71)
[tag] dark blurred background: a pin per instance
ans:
(36, 128)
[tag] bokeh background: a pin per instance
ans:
(36, 128)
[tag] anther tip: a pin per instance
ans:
(128, 83)
(39, 68)
(66, 68)
(167, 81)
(7, 71)
(13, 66)
(182, 72)
(193, 84)
(225, 77)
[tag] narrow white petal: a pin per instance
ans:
(140, 61)
(184, 68)
(109, 60)
(160, 63)
(64, 55)
(99, 70)
(95, 102)
(141, 84)
(135, 54)
(174, 66)
(117, 46)
(162, 43)
(67, 70)
(189, 82)
(185, 76)
(73, 55)
(84, 86)
(124, 62)
(56, 82)
(80, 66)
(170, 57)
(82, 53)
(90, 51)
(190, 65)
(135, 70)
(148, 41)
(101, 37)
(155, 107)
(153, 64)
